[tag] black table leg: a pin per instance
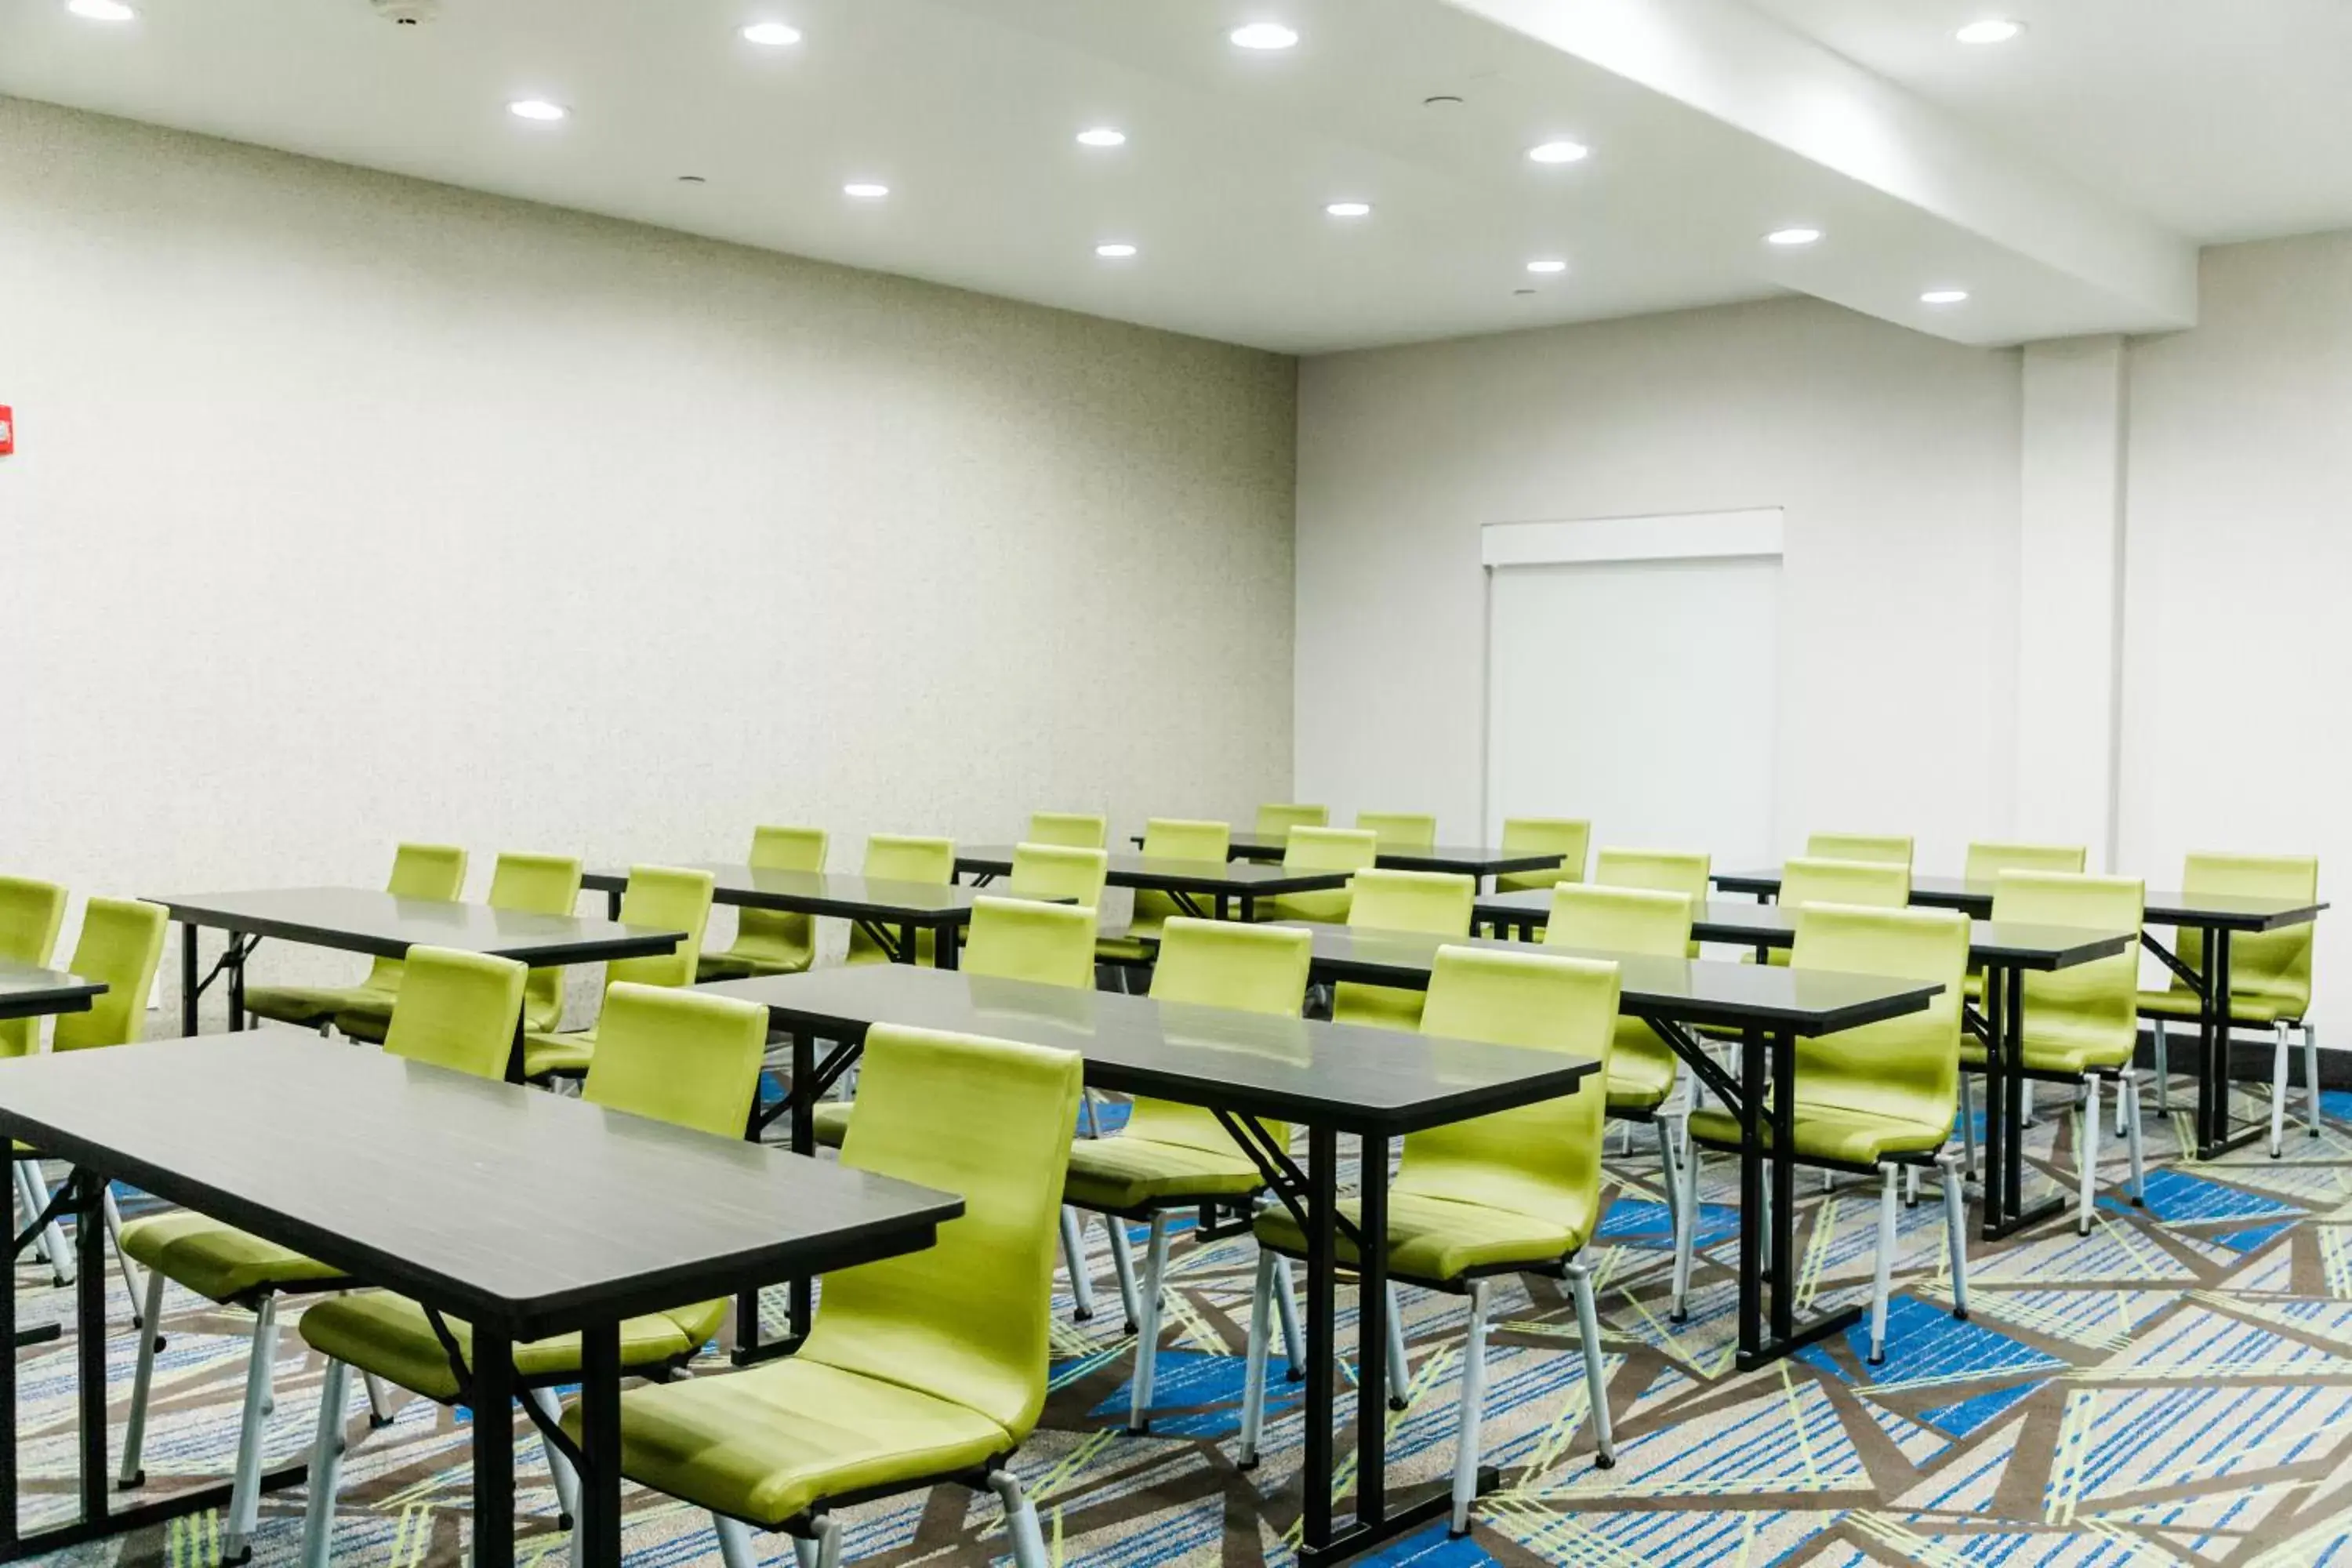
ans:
(1249, 909)
(600, 1445)
(237, 951)
(803, 1292)
(908, 952)
(494, 1394)
(612, 903)
(187, 978)
(1372, 1333)
(9, 1527)
(1322, 1300)
(1994, 1146)
(1751, 1197)
(1784, 1184)
(944, 941)
(90, 1275)
(1224, 906)
(2214, 1137)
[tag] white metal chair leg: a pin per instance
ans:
(2132, 1134)
(143, 1382)
(1122, 1267)
(1910, 1186)
(1253, 1359)
(1670, 1180)
(1086, 1104)
(2163, 1067)
(1956, 1235)
(1473, 1409)
(1285, 1307)
(2087, 1155)
(558, 1469)
(1020, 1521)
(1882, 1264)
(383, 1406)
(1686, 1235)
(245, 1492)
(132, 1285)
(2311, 1073)
(825, 1551)
(326, 1465)
(1399, 1374)
(1147, 1335)
(1074, 1257)
(806, 1553)
(2279, 1061)
(735, 1548)
(36, 1189)
(2026, 1090)
(1596, 1387)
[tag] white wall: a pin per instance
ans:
(1895, 456)
(348, 508)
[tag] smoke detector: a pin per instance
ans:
(406, 13)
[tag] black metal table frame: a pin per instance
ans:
(897, 940)
(1185, 897)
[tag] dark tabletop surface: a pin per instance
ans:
(27, 992)
(511, 1206)
(1239, 877)
(1745, 924)
(1689, 991)
(2233, 911)
(359, 920)
(1296, 1069)
(1469, 860)
(822, 893)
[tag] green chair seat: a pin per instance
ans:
(1123, 950)
(308, 1006)
(1121, 1175)
(561, 1055)
(1438, 1240)
(1637, 1081)
(1832, 1132)
(762, 1445)
(737, 967)
(832, 1118)
(2245, 1008)
(217, 1260)
(391, 1336)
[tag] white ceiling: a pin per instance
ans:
(2027, 174)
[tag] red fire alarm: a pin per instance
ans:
(7, 429)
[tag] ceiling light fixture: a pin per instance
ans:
(1943, 297)
(1547, 266)
(536, 109)
(772, 35)
(865, 190)
(1102, 136)
(1792, 236)
(1115, 252)
(1350, 209)
(1263, 36)
(102, 10)
(1558, 153)
(1992, 30)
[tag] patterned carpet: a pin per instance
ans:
(2176, 1387)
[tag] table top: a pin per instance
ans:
(873, 898)
(1244, 877)
(512, 1207)
(1354, 1079)
(1685, 991)
(28, 990)
(1468, 861)
(361, 920)
(2212, 911)
(1731, 920)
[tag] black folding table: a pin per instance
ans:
(1227, 884)
(891, 912)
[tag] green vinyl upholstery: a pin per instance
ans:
(902, 858)
(1887, 848)
(120, 945)
(1569, 838)
(1164, 838)
(770, 941)
(1435, 903)
(1070, 829)
(1641, 1065)
(2269, 972)
(1400, 830)
(529, 884)
(1811, 879)
(30, 915)
(2084, 1018)
(433, 871)
(1279, 818)
(1658, 870)
(1056, 872)
(666, 898)
(1324, 850)
(1988, 860)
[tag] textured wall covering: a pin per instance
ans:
(350, 508)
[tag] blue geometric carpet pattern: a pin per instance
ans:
(2174, 1388)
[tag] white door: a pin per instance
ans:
(1638, 693)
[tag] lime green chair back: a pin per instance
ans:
(1017, 939)
(1885, 848)
(1436, 903)
(538, 885)
(1632, 920)
(436, 872)
(1174, 839)
(1325, 849)
(2092, 1010)
(1659, 870)
(457, 1010)
(1864, 884)
(1908, 1068)
(120, 944)
(679, 1056)
(1400, 829)
(1055, 872)
(1569, 838)
(1986, 862)
(777, 936)
(1276, 820)
(1222, 964)
(1072, 829)
(667, 898)
(968, 1319)
(2275, 965)
(1542, 1160)
(30, 914)
(898, 858)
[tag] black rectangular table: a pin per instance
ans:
(1224, 883)
(2218, 916)
(28, 991)
(1246, 1068)
(891, 912)
(522, 1214)
(384, 925)
(1465, 860)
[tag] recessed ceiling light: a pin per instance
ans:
(1792, 236)
(1547, 266)
(1102, 136)
(1559, 153)
(1943, 296)
(102, 10)
(1263, 36)
(1350, 209)
(1118, 251)
(772, 35)
(1992, 30)
(536, 109)
(865, 190)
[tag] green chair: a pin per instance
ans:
(1057, 872)
(1642, 1069)
(1324, 850)
(1070, 829)
(529, 884)
(898, 858)
(1986, 861)
(1400, 830)
(665, 898)
(1515, 1193)
(1164, 838)
(30, 914)
(1812, 879)
(1275, 821)
(1569, 838)
(1879, 1098)
(918, 1369)
(1887, 849)
(676, 1056)
(770, 941)
(2270, 973)
(456, 1010)
(433, 871)
(1170, 1156)
(1435, 903)
(1659, 871)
